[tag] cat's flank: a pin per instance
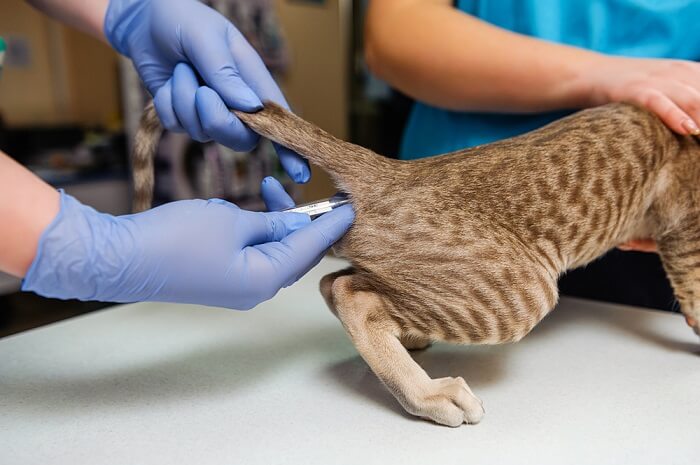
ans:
(467, 247)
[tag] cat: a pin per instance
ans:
(467, 247)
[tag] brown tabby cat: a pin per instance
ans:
(467, 247)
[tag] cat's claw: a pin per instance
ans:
(450, 402)
(693, 323)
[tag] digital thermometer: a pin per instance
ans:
(319, 207)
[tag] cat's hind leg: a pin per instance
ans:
(409, 340)
(680, 254)
(326, 286)
(363, 312)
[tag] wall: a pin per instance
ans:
(73, 78)
(317, 83)
(26, 94)
(93, 77)
(70, 78)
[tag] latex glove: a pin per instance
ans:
(166, 40)
(191, 251)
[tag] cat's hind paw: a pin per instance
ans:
(451, 402)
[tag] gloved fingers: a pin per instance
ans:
(185, 87)
(163, 101)
(222, 125)
(254, 72)
(274, 195)
(294, 164)
(214, 61)
(260, 228)
(301, 250)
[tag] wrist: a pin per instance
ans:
(88, 16)
(33, 207)
(76, 256)
(589, 87)
(43, 212)
(120, 20)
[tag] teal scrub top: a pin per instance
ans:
(638, 28)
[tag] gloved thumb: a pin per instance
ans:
(299, 251)
(261, 228)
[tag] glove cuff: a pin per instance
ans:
(120, 20)
(70, 261)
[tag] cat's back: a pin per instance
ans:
(589, 158)
(586, 143)
(550, 185)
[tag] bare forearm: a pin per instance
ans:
(439, 55)
(86, 15)
(27, 206)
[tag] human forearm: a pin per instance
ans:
(86, 15)
(194, 251)
(28, 205)
(439, 55)
(191, 251)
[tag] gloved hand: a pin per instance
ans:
(168, 40)
(191, 251)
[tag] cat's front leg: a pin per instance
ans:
(448, 401)
(680, 254)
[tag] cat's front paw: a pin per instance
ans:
(449, 401)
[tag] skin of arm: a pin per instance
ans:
(29, 207)
(31, 204)
(85, 15)
(447, 58)
(442, 56)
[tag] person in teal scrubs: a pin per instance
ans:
(481, 71)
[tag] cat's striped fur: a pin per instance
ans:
(467, 247)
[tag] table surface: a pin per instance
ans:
(158, 383)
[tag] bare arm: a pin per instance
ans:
(29, 203)
(27, 208)
(86, 15)
(444, 57)
(447, 58)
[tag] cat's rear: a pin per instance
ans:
(468, 247)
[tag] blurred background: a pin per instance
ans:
(69, 106)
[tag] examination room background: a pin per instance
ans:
(69, 106)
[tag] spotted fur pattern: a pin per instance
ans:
(467, 247)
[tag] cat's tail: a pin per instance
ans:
(352, 167)
(145, 146)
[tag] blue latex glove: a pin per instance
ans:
(191, 251)
(167, 40)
